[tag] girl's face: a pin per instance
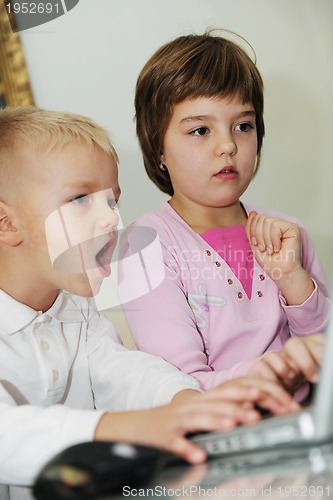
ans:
(210, 149)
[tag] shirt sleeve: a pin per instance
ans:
(120, 380)
(124, 379)
(312, 316)
(27, 428)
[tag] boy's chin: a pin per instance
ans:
(92, 290)
(85, 287)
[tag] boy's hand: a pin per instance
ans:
(297, 362)
(276, 245)
(220, 409)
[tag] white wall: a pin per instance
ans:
(87, 61)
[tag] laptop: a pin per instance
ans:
(310, 426)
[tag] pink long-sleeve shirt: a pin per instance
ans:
(199, 317)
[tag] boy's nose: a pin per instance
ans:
(108, 218)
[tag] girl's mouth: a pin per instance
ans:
(227, 173)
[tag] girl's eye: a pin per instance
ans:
(200, 131)
(83, 199)
(113, 204)
(244, 127)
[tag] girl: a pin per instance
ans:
(239, 280)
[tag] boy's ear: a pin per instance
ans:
(9, 232)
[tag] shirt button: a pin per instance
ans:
(259, 294)
(217, 264)
(208, 253)
(55, 375)
(239, 295)
(45, 345)
(229, 281)
(261, 277)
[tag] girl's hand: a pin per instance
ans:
(304, 354)
(220, 409)
(276, 367)
(297, 362)
(276, 245)
(251, 391)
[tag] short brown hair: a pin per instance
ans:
(189, 67)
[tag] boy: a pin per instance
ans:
(65, 376)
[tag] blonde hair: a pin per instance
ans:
(35, 129)
(42, 129)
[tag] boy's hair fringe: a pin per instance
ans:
(45, 130)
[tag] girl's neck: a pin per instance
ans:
(201, 218)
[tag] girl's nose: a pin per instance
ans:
(226, 145)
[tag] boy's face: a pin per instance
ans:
(69, 213)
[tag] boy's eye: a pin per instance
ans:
(200, 131)
(244, 127)
(83, 199)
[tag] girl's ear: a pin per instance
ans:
(9, 231)
(162, 164)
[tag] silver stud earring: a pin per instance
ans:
(162, 166)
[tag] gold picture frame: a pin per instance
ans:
(15, 89)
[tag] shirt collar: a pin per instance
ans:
(14, 315)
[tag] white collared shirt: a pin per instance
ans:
(59, 371)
